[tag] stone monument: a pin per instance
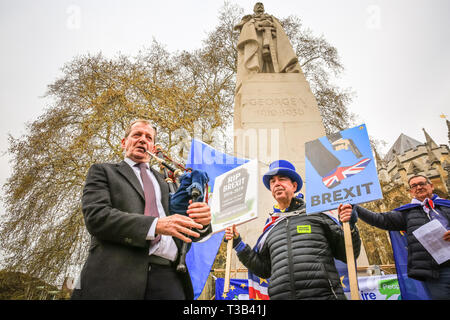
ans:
(275, 111)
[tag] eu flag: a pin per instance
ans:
(410, 289)
(238, 289)
(201, 255)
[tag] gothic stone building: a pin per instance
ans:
(408, 157)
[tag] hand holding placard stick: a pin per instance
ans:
(352, 277)
(230, 234)
(226, 286)
(345, 215)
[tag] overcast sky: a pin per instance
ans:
(395, 53)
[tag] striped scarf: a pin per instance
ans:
(430, 209)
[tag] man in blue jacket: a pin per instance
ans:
(424, 207)
(295, 250)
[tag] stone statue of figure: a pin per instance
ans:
(263, 46)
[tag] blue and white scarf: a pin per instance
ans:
(429, 206)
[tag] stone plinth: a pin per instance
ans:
(274, 115)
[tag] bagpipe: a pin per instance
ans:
(184, 184)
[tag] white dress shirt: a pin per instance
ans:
(166, 247)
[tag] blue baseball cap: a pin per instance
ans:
(282, 168)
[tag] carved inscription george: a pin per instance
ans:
(283, 109)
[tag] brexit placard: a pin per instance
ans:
(340, 169)
(235, 197)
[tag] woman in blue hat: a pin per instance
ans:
(296, 251)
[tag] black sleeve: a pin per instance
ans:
(392, 220)
(257, 262)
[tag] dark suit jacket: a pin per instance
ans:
(113, 206)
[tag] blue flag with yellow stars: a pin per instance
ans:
(201, 255)
(410, 289)
(238, 289)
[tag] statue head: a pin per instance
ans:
(258, 8)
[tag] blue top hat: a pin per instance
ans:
(282, 168)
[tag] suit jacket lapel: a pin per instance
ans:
(125, 170)
(129, 174)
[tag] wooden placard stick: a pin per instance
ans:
(226, 286)
(351, 266)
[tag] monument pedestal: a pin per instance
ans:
(274, 115)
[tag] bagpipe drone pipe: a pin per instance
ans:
(184, 185)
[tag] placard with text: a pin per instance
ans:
(340, 169)
(235, 197)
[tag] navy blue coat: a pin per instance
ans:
(421, 265)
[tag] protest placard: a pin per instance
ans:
(340, 169)
(235, 197)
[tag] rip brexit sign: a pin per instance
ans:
(235, 197)
(340, 169)
(232, 193)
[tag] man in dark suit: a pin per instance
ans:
(133, 253)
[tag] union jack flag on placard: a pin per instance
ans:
(341, 173)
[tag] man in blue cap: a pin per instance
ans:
(296, 251)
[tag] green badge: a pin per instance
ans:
(304, 229)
